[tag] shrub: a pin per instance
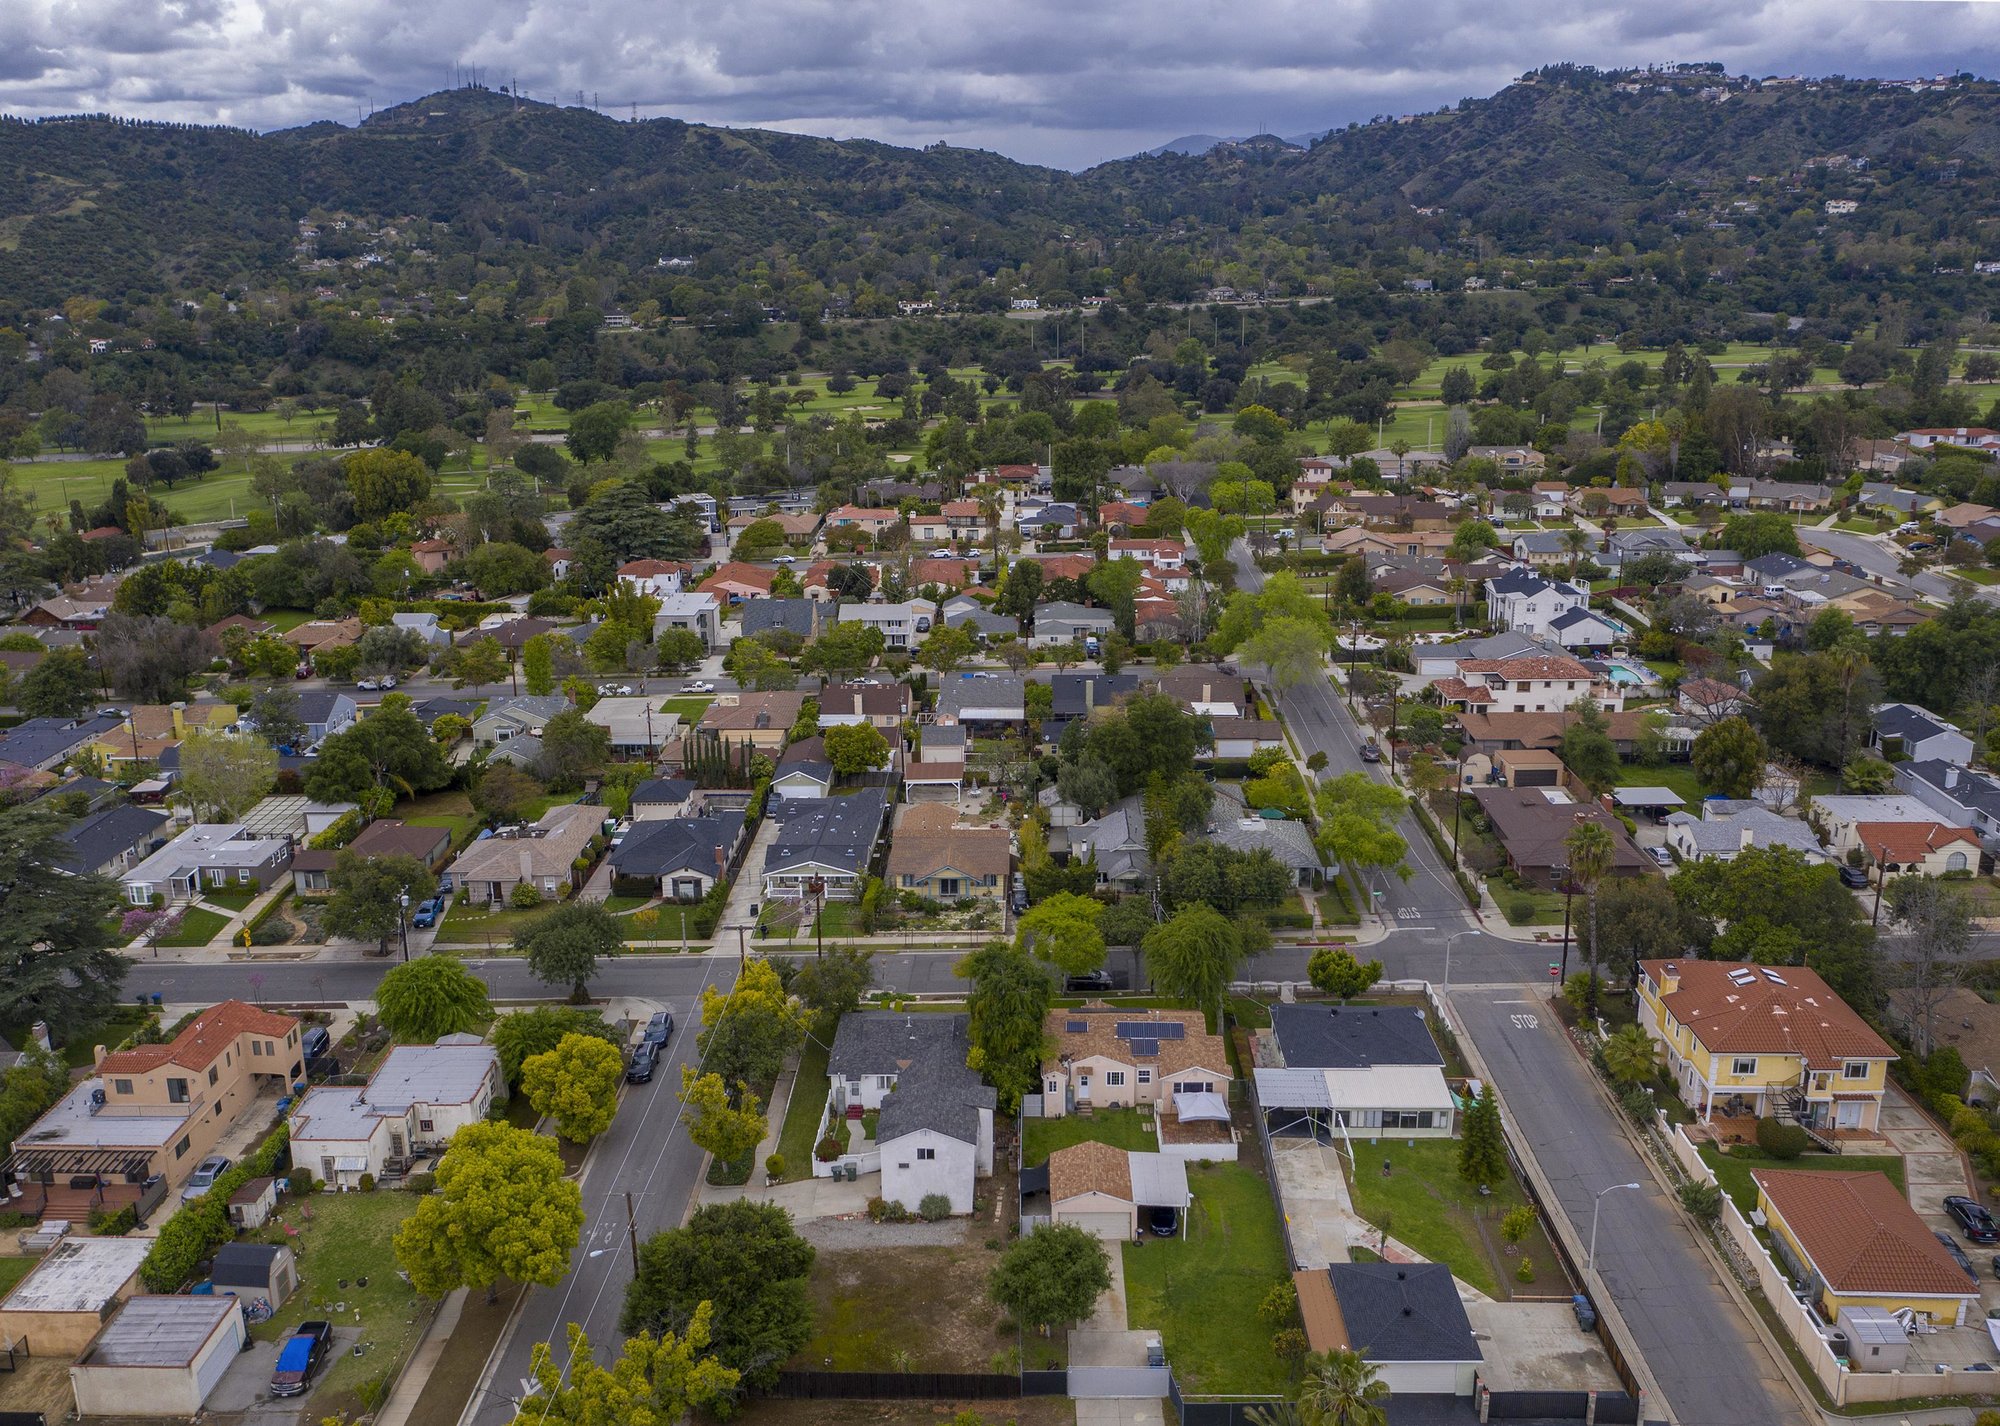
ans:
(933, 1206)
(420, 1182)
(114, 1225)
(878, 1209)
(1525, 1271)
(1280, 1306)
(200, 1227)
(1518, 1224)
(1703, 1201)
(524, 897)
(1520, 910)
(827, 1150)
(368, 1183)
(1290, 1344)
(1636, 1103)
(896, 1213)
(1781, 1140)
(774, 1165)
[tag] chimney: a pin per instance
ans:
(1089, 695)
(527, 857)
(96, 1056)
(857, 703)
(1951, 777)
(39, 1033)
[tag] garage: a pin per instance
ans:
(1109, 1192)
(64, 1302)
(161, 1356)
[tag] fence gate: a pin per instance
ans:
(1101, 1383)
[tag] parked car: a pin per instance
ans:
(700, 686)
(1972, 1219)
(388, 680)
(300, 1357)
(1661, 857)
(1854, 876)
(645, 1059)
(205, 1174)
(1957, 1254)
(367, 685)
(1371, 752)
(1090, 980)
(1165, 1222)
(659, 1028)
(428, 913)
(317, 1041)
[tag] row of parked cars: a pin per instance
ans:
(652, 1044)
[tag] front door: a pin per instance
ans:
(1847, 1114)
(1083, 1089)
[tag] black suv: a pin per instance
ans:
(659, 1028)
(1972, 1219)
(645, 1059)
(1854, 876)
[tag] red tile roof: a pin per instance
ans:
(1796, 1014)
(1529, 666)
(205, 1038)
(1903, 842)
(1861, 1233)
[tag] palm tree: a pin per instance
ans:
(1576, 542)
(1339, 1388)
(1590, 853)
(1631, 1055)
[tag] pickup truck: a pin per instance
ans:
(301, 1355)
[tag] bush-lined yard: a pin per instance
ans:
(1423, 1202)
(1732, 1169)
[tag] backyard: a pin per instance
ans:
(1422, 1202)
(347, 1272)
(921, 1309)
(806, 1111)
(1121, 1128)
(1201, 1291)
(1733, 1169)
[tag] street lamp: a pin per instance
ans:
(1568, 888)
(403, 920)
(1447, 953)
(1590, 1258)
(817, 887)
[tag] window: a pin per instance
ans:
(424, 1125)
(121, 1086)
(1114, 1077)
(1743, 1066)
(212, 1072)
(1055, 1086)
(926, 1155)
(182, 1147)
(177, 1091)
(256, 1048)
(1854, 1069)
(1145, 1076)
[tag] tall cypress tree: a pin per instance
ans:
(1482, 1148)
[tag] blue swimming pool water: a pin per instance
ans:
(1618, 673)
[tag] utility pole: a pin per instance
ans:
(632, 1232)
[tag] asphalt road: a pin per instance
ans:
(1688, 1328)
(1879, 560)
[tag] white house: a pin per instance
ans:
(1907, 730)
(1727, 827)
(1237, 738)
(658, 578)
(1527, 603)
(425, 627)
(934, 1117)
(701, 613)
(903, 625)
(1161, 554)
(1533, 683)
(416, 1100)
(1584, 629)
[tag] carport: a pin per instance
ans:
(1296, 1102)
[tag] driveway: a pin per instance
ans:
(748, 889)
(1932, 1168)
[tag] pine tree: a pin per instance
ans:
(1482, 1150)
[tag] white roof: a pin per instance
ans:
(1647, 797)
(78, 1275)
(1388, 1087)
(1202, 1105)
(1292, 1089)
(334, 1115)
(1159, 1180)
(432, 1074)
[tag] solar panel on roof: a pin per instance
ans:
(1077, 1027)
(1150, 1030)
(1145, 1047)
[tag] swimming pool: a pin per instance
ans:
(1625, 674)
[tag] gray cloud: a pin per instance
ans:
(1051, 82)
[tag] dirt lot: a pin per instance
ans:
(1034, 1411)
(905, 1309)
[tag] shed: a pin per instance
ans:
(256, 1270)
(1529, 767)
(161, 1356)
(58, 1307)
(250, 1206)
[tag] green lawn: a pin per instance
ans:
(806, 1112)
(443, 809)
(12, 1270)
(113, 1030)
(197, 928)
(1424, 1203)
(468, 922)
(1201, 1291)
(690, 709)
(1124, 1128)
(347, 1242)
(235, 899)
(1544, 908)
(836, 918)
(1732, 1170)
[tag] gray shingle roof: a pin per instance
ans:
(836, 831)
(1719, 830)
(96, 839)
(800, 616)
(1403, 1312)
(702, 844)
(41, 740)
(1353, 1037)
(934, 1090)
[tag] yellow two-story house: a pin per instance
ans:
(1773, 1041)
(1857, 1239)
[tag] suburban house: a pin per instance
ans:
(1101, 1189)
(1676, 494)
(803, 617)
(697, 613)
(976, 700)
(826, 839)
(541, 855)
(1288, 841)
(1550, 499)
(949, 863)
(965, 612)
(1204, 689)
(763, 720)
(658, 578)
(803, 770)
(639, 725)
(415, 1101)
(1051, 522)
(1905, 730)
(65, 1297)
(1531, 824)
(736, 581)
(869, 522)
(1584, 629)
(885, 705)
(1161, 554)
(680, 859)
(208, 856)
(934, 1116)
(1530, 683)
(325, 711)
(1117, 842)
(1959, 796)
(1237, 739)
(1710, 700)
(1764, 1041)
(45, 744)
(1526, 602)
(110, 841)
(1854, 1239)
(1728, 826)
(153, 1110)
(660, 798)
(1347, 1070)
(1837, 817)
(903, 625)
(506, 719)
(384, 837)
(1406, 1318)
(1058, 622)
(1109, 1057)
(1078, 695)
(1440, 660)
(1928, 848)
(1512, 460)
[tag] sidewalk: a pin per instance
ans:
(410, 1385)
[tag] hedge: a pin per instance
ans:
(270, 909)
(200, 1227)
(345, 829)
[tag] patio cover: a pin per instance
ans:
(1647, 797)
(1202, 1104)
(1159, 1180)
(1292, 1089)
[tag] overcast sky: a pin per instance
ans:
(1060, 83)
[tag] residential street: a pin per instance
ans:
(1693, 1336)
(1879, 560)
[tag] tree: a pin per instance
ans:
(501, 1208)
(368, 895)
(274, 712)
(1780, 910)
(595, 431)
(747, 1031)
(504, 793)
(1356, 815)
(62, 685)
(1758, 534)
(1052, 1276)
(478, 664)
(573, 748)
(388, 751)
(758, 540)
(538, 665)
(1730, 757)
(656, 1381)
(831, 985)
(678, 650)
(384, 481)
(1193, 956)
(752, 664)
(523, 1034)
(1639, 918)
(56, 960)
(945, 649)
(855, 748)
(625, 524)
(150, 660)
(564, 946)
(1482, 1148)
(745, 1258)
(1008, 1002)
(1291, 650)
(575, 1084)
(728, 1126)
(1338, 1388)
(1934, 921)
(223, 778)
(1334, 971)
(1867, 776)
(1591, 851)
(1587, 750)
(435, 995)
(1062, 929)
(1631, 1056)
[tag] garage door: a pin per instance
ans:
(1111, 1227)
(1420, 1378)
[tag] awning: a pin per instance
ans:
(1647, 797)
(1035, 1180)
(354, 1164)
(1202, 1104)
(1292, 1089)
(1158, 1180)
